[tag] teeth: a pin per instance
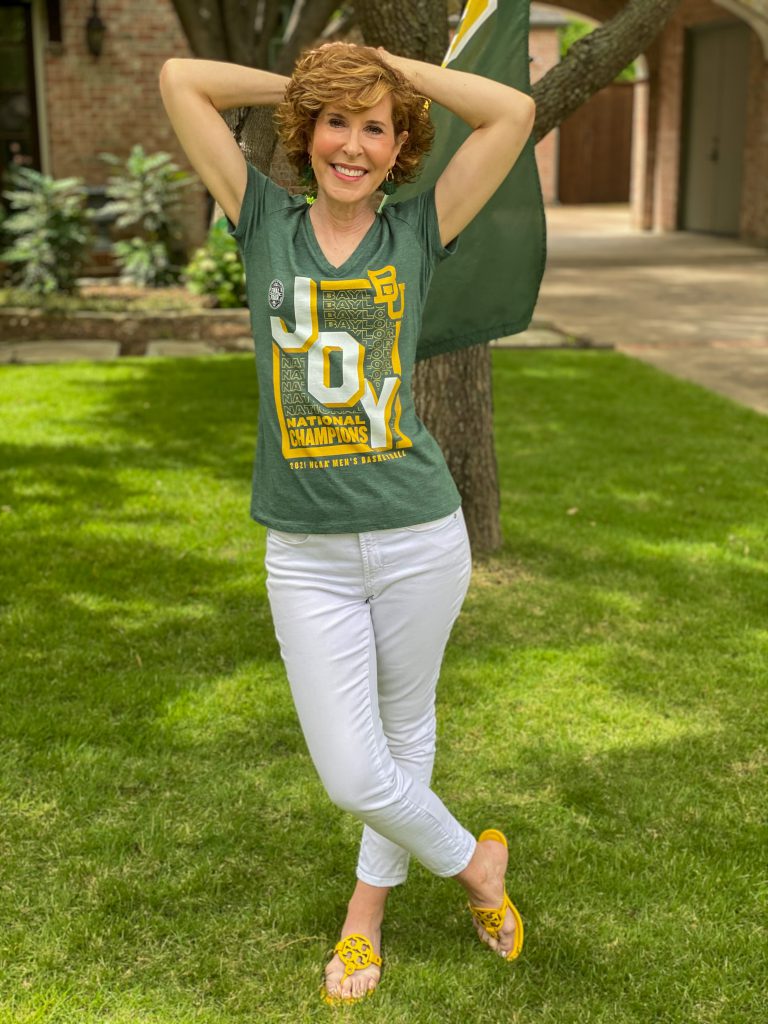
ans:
(348, 172)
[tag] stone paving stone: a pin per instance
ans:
(182, 349)
(58, 351)
(740, 374)
(534, 337)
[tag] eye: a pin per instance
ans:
(375, 129)
(335, 121)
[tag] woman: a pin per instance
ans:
(367, 553)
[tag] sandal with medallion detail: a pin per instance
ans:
(492, 918)
(356, 953)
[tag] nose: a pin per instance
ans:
(352, 142)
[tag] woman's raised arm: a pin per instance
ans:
(193, 92)
(501, 119)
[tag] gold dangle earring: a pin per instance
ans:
(389, 185)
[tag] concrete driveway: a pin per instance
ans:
(693, 305)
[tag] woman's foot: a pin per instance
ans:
(483, 879)
(365, 914)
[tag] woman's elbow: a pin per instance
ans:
(522, 114)
(170, 69)
(527, 109)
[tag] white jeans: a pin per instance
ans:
(362, 620)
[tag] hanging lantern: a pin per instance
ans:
(94, 32)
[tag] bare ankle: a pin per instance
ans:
(368, 901)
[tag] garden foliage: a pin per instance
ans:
(146, 196)
(49, 229)
(217, 270)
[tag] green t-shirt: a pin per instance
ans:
(340, 448)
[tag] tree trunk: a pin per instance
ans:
(307, 23)
(418, 29)
(454, 399)
(255, 134)
(452, 392)
(241, 31)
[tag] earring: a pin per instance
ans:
(389, 185)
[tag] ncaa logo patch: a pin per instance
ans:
(276, 293)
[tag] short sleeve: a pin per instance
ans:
(261, 196)
(420, 213)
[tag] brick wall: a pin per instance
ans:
(111, 103)
(545, 49)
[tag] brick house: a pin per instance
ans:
(700, 133)
(696, 164)
(62, 106)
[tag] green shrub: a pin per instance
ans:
(146, 263)
(49, 229)
(217, 270)
(146, 195)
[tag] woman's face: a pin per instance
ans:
(352, 150)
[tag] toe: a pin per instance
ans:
(333, 976)
(486, 937)
(507, 934)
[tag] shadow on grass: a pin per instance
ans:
(193, 414)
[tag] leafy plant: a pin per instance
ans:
(146, 195)
(216, 269)
(49, 228)
(144, 262)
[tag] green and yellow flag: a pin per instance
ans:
(489, 288)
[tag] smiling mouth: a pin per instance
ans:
(349, 173)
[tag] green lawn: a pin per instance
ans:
(166, 852)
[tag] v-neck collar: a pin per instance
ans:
(364, 246)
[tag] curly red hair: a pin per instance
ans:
(356, 77)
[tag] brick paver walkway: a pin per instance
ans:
(693, 305)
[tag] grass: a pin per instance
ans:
(166, 852)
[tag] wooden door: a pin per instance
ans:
(595, 155)
(717, 60)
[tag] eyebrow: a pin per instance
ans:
(339, 113)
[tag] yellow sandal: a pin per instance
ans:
(356, 953)
(491, 919)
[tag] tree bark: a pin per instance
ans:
(418, 29)
(238, 31)
(202, 27)
(452, 392)
(594, 61)
(254, 132)
(311, 19)
(454, 398)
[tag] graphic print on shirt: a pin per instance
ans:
(337, 374)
